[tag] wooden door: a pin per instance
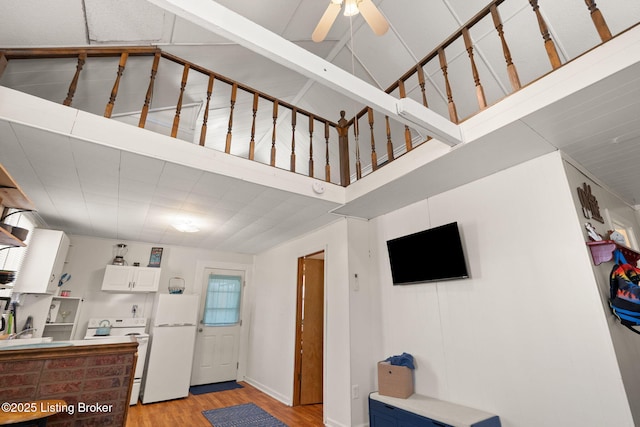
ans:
(308, 381)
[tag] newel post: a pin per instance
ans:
(343, 150)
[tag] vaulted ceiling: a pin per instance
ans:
(415, 29)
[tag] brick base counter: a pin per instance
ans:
(94, 380)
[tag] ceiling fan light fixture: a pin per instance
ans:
(366, 8)
(351, 8)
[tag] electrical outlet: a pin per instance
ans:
(134, 309)
(355, 391)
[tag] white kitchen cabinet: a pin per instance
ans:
(122, 278)
(62, 318)
(43, 263)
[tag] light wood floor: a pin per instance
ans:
(188, 411)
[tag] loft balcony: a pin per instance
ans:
(485, 98)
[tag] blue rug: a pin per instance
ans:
(210, 388)
(247, 415)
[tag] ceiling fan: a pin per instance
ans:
(369, 11)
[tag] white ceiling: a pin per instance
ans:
(107, 192)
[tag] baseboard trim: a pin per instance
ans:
(263, 388)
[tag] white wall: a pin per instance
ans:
(364, 320)
(525, 337)
(273, 314)
(626, 344)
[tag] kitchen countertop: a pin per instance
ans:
(28, 343)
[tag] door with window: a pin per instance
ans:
(218, 338)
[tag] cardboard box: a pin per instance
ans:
(394, 380)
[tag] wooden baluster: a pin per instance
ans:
(482, 101)
(453, 114)
(3, 63)
(234, 92)
(183, 85)
(273, 134)
(114, 92)
(356, 137)
(549, 45)
(511, 68)
(422, 84)
(327, 168)
(149, 96)
(407, 131)
(598, 21)
(252, 143)
(74, 82)
(294, 114)
(203, 131)
(374, 155)
(311, 146)
(389, 142)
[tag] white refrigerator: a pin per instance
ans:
(172, 340)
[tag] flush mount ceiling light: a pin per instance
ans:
(370, 13)
(186, 226)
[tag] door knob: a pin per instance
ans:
(200, 330)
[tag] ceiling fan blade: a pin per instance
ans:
(374, 18)
(326, 22)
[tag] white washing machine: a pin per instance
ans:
(122, 327)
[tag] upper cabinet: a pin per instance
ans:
(11, 196)
(122, 278)
(44, 262)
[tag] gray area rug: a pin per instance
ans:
(247, 415)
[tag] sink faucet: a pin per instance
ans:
(24, 331)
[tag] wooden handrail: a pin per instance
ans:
(95, 52)
(417, 69)
(448, 41)
(464, 34)
(81, 54)
(73, 52)
(242, 87)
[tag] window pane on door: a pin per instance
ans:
(222, 305)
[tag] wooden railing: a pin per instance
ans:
(277, 108)
(415, 79)
(340, 140)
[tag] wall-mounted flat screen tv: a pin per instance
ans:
(431, 255)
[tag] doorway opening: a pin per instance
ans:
(309, 345)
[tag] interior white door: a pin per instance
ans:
(218, 337)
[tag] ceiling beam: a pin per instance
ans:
(218, 19)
